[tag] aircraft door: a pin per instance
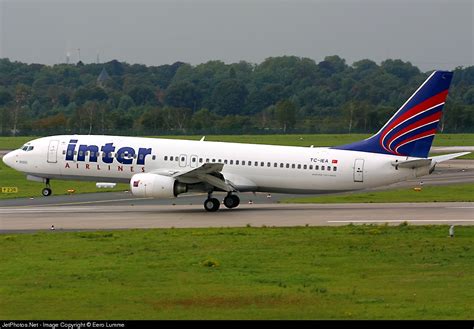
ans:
(194, 161)
(359, 170)
(53, 151)
(183, 160)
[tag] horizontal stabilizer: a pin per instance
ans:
(446, 157)
(412, 163)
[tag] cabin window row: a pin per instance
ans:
(254, 163)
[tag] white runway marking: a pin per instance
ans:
(461, 207)
(400, 220)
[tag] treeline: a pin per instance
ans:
(281, 94)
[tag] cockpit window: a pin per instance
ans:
(27, 148)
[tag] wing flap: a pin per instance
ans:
(208, 173)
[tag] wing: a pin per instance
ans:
(209, 173)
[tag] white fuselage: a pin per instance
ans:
(250, 167)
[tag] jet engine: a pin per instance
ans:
(156, 186)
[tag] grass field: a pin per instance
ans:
(351, 272)
(443, 193)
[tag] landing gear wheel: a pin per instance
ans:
(231, 201)
(212, 204)
(46, 191)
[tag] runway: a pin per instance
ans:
(100, 217)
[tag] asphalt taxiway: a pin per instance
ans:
(84, 217)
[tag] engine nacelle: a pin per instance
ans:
(156, 186)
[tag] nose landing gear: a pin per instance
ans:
(47, 190)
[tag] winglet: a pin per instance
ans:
(202, 139)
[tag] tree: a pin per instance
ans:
(22, 93)
(286, 114)
(183, 94)
(125, 103)
(229, 97)
(143, 95)
(203, 119)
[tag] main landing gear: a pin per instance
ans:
(47, 190)
(212, 204)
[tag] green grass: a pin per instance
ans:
(442, 193)
(26, 188)
(12, 143)
(351, 272)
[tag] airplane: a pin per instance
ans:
(166, 168)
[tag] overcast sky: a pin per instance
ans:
(431, 34)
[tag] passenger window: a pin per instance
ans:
(299, 166)
(64, 152)
(316, 167)
(334, 168)
(166, 158)
(287, 165)
(293, 166)
(281, 165)
(141, 157)
(231, 161)
(171, 158)
(249, 163)
(81, 153)
(92, 153)
(304, 167)
(322, 168)
(329, 168)
(193, 159)
(207, 160)
(275, 165)
(236, 162)
(200, 160)
(256, 163)
(262, 164)
(182, 159)
(269, 164)
(310, 167)
(213, 160)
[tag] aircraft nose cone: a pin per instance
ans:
(9, 159)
